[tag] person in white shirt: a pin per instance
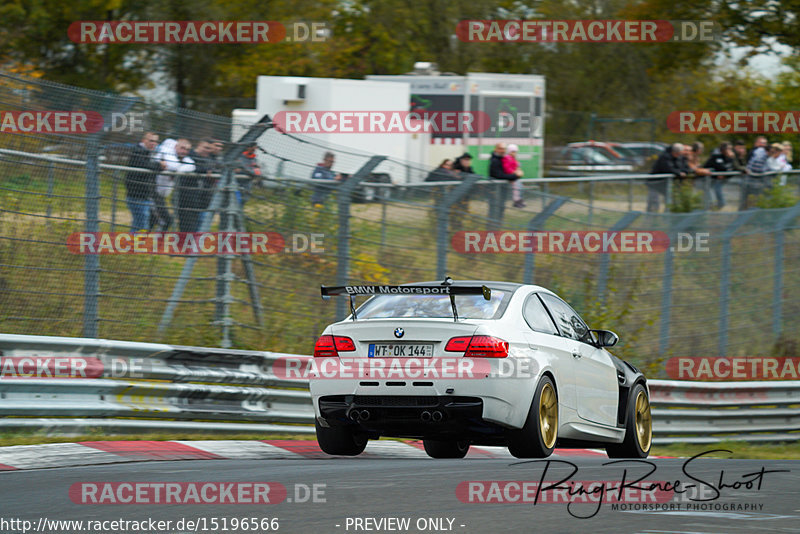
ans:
(776, 161)
(175, 155)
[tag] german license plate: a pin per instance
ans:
(401, 350)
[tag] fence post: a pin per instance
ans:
(707, 192)
(668, 194)
(591, 201)
(777, 288)
(91, 277)
(443, 206)
(114, 185)
(50, 184)
(605, 260)
(666, 283)
(344, 200)
(535, 224)
(225, 274)
(725, 284)
(383, 223)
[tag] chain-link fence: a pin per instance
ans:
(734, 289)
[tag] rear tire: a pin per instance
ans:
(537, 438)
(446, 449)
(638, 427)
(340, 440)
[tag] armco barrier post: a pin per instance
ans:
(344, 200)
(725, 282)
(443, 207)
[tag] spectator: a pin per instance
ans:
(775, 158)
(175, 155)
(757, 162)
(720, 160)
(323, 172)
(511, 166)
(140, 185)
(195, 189)
(776, 161)
(669, 162)
(462, 166)
(787, 154)
(247, 165)
(496, 165)
(159, 216)
(739, 156)
(442, 173)
(693, 156)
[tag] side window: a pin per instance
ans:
(569, 322)
(537, 317)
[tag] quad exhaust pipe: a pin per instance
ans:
(362, 415)
(435, 416)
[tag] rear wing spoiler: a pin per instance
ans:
(444, 289)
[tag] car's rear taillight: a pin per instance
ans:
(478, 346)
(329, 346)
(458, 344)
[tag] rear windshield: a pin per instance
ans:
(434, 306)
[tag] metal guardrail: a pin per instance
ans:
(152, 387)
(145, 387)
(709, 412)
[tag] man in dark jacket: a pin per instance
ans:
(141, 185)
(496, 165)
(669, 162)
(194, 190)
(720, 160)
(739, 156)
(323, 172)
(496, 171)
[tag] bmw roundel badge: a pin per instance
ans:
(398, 332)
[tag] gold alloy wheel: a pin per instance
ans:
(548, 415)
(644, 422)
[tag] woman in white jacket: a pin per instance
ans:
(175, 155)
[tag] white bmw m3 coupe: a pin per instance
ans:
(474, 362)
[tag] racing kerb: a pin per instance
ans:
(194, 389)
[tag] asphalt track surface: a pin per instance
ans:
(419, 489)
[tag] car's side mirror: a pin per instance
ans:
(606, 338)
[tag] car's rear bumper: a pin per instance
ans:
(411, 416)
(504, 402)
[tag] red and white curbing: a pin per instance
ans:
(23, 457)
